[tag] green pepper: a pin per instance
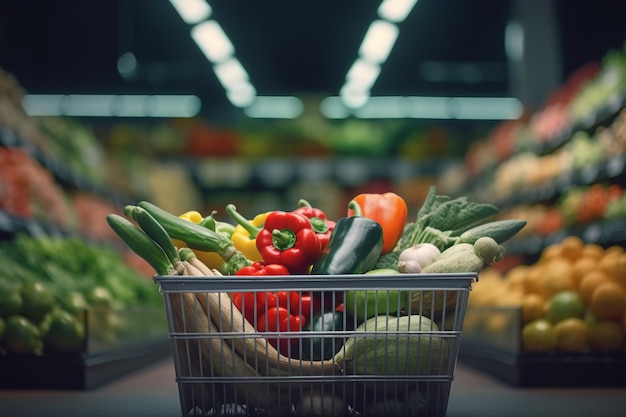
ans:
(354, 246)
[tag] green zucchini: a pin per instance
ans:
(156, 232)
(499, 230)
(140, 243)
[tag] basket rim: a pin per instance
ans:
(404, 281)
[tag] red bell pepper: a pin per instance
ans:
(253, 304)
(319, 222)
(288, 239)
(279, 319)
(389, 210)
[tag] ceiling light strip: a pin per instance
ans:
(101, 105)
(421, 107)
(220, 52)
(192, 11)
(375, 48)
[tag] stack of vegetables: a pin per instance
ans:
(449, 235)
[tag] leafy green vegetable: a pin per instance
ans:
(441, 220)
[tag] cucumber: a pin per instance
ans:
(156, 232)
(499, 230)
(194, 235)
(140, 243)
(199, 238)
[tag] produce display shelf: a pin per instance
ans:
(79, 371)
(547, 370)
(492, 343)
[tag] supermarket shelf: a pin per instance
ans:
(84, 371)
(546, 370)
(602, 117)
(61, 172)
(606, 232)
(609, 170)
(278, 173)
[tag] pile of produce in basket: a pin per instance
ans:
(316, 330)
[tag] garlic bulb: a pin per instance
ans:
(413, 259)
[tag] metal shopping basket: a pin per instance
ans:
(224, 366)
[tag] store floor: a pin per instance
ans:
(152, 392)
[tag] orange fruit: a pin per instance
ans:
(533, 278)
(516, 276)
(564, 305)
(538, 336)
(606, 337)
(581, 266)
(572, 247)
(557, 277)
(615, 249)
(551, 251)
(593, 250)
(590, 282)
(572, 335)
(620, 270)
(608, 301)
(608, 263)
(533, 307)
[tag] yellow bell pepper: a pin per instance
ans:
(210, 259)
(244, 236)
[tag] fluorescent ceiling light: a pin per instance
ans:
(212, 41)
(514, 41)
(378, 41)
(96, 105)
(192, 11)
(353, 96)
(241, 94)
(487, 108)
(395, 10)
(382, 108)
(427, 107)
(230, 72)
(363, 74)
(286, 107)
(333, 108)
(415, 107)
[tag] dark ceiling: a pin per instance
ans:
(288, 47)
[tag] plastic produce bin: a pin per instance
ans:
(396, 370)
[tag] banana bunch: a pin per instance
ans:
(246, 361)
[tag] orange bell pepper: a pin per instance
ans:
(389, 210)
